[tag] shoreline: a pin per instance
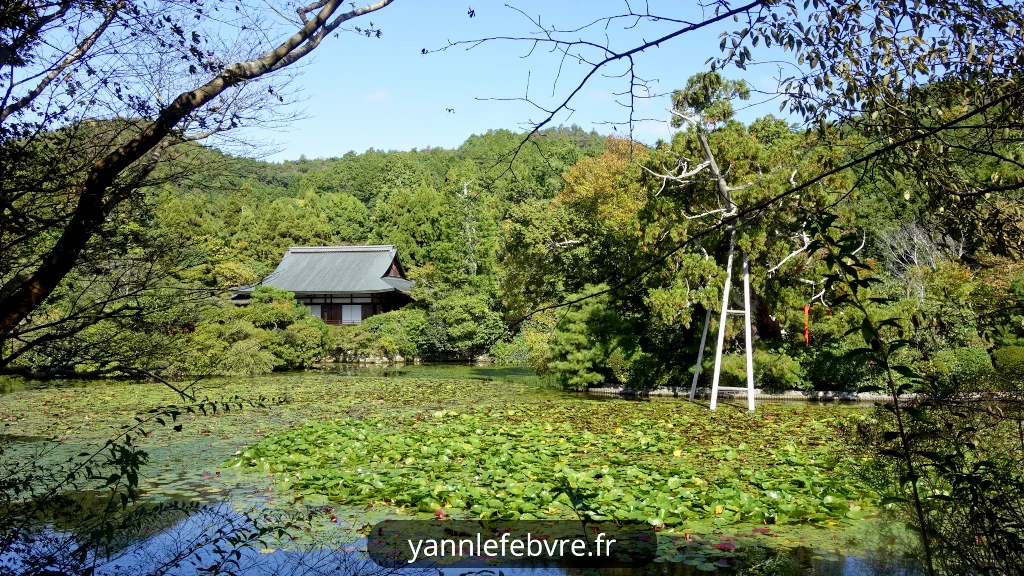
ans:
(759, 395)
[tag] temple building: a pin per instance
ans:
(340, 284)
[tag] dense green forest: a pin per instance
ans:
(221, 221)
(495, 233)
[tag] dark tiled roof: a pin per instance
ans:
(326, 269)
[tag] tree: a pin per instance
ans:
(719, 176)
(347, 216)
(91, 116)
(586, 234)
(932, 85)
(623, 209)
(424, 224)
(590, 345)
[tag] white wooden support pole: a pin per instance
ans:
(700, 355)
(749, 336)
(721, 324)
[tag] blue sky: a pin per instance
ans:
(361, 93)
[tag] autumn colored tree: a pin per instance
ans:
(586, 234)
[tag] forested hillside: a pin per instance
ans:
(221, 221)
(245, 213)
(498, 233)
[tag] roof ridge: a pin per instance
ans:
(364, 248)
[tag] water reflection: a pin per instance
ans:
(184, 537)
(12, 384)
(199, 542)
(202, 542)
(519, 374)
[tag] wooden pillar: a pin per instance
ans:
(749, 335)
(700, 355)
(696, 369)
(721, 323)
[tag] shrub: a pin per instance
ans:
(246, 358)
(271, 308)
(514, 352)
(348, 343)
(829, 368)
(392, 336)
(591, 346)
(272, 332)
(1010, 360)
(734, 370)
(460, 325)
(962, 363)
(227, 347)
(778, 372)
(397, 333)
(537, 337)
(772, 371)
(301, 344)
(646, 371)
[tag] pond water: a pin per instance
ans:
(10, 384)
(206, 506)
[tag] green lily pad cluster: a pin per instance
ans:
(513, 464)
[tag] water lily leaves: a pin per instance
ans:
(856, 513)
(495, 450)
(494, 467)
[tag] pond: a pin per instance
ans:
(333, 451)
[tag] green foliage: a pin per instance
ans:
(512, 352)
(389, 336)
(300, 344)
(588, 346)
(1007, 319)
(827, 367)
(778, 372)
(245, 357)
(734, 370)
(948, 465)
(1009, 360)
(536, 333)
(422, 223)
(965, 363)
(271, 307)
(439, 207)
(347, 216)
(272, 332)
(637, 369)
(513, 461)
(460, 324)
(226, 221)
(398, 332)
(710, 96)
(234, 347)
